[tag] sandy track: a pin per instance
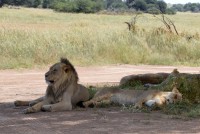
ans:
(29, 84)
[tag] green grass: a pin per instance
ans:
(92, 91)
(37, 37)
(183, 108)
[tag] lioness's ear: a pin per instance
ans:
(65, 67)
(175, 90)
(175, 96)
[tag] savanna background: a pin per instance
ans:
(36, 33)
(37, 37)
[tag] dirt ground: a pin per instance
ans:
(30, 84)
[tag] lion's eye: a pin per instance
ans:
(54, 70)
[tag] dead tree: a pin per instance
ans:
(132, 24)
(188, 84)
(148, 78)
(168, 23)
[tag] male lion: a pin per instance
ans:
(135, 97)
(63, 91)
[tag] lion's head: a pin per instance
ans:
(61, 72)
(174, 96)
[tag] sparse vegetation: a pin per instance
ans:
(193, 7)
(92, 90)
(184, 108)
(37, 37)
(187, 84)
(90, 6)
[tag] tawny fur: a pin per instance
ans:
(63, 91)
(138, 98)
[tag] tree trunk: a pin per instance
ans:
(188, 84)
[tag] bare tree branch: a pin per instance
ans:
(132, 24)
(168, 23)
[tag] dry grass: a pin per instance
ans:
(32, 37)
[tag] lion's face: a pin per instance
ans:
(56, 73)
(174, 96)
(177, 97)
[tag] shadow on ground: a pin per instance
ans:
(92, 120)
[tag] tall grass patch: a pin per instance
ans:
(39, 37)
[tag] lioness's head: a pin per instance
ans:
(174, 96)
(60, 72)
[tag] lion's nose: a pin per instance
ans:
(46, 75)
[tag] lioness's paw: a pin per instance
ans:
(137, 106)
(150, 103)
(46, 108)
(85, 104)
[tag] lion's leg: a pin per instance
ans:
(160, 101)
(63, 105)
(37, 107)
(150, 103)
(87, 103)
(21, 103)
(28, 103)
(103, 102)
(139, 103)
(95, 101)
(33, 102)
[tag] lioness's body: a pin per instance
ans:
(135, 97)
(63, 91)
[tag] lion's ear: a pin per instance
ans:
(175, 96)
(175, 90)
(65, 67)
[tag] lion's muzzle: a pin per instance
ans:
(48, 81)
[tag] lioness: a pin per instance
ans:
(135, 97)
(63, 91)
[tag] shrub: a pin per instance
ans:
(65, 6)
(153, 10)
(1, 3)
(170, 11)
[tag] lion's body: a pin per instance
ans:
(135, 97)
(63, 91)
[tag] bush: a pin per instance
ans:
(117, 5)
(140, 5)
(84, 6)
(162, 6)
(1, 3)
(65, 6)
(170, 11)
(32, 3)
(98, 6)
(153, 10)
(46, 4)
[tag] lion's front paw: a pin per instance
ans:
(31, 103)
(27, 111)
(150, 103)
(47, 108)
(17, 103)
